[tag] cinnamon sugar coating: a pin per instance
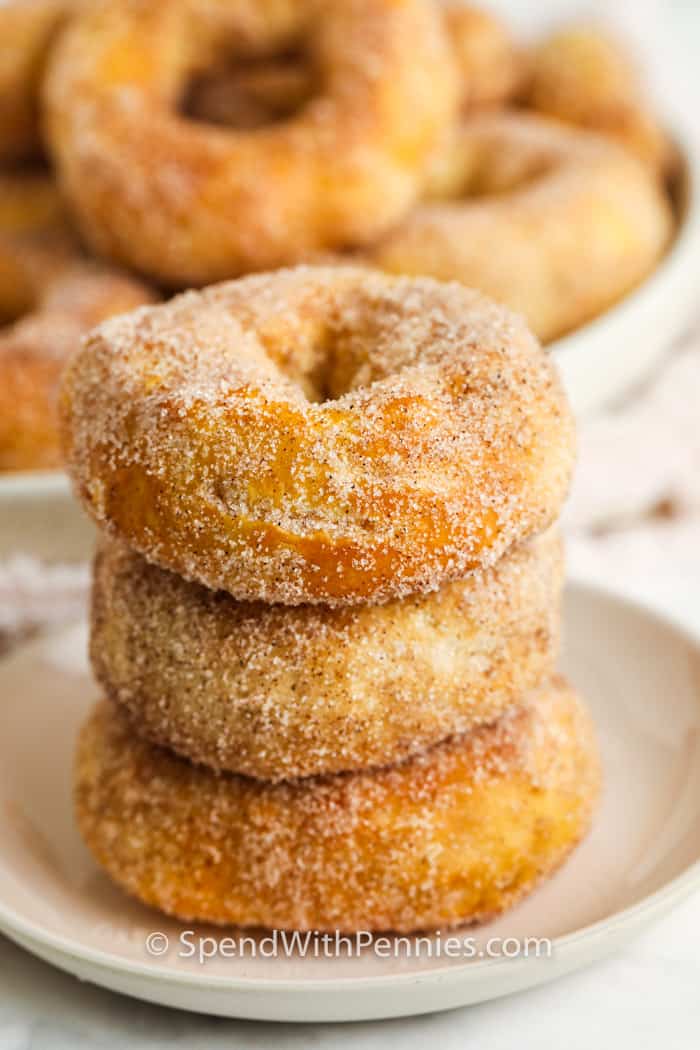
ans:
(328, 435)
(554, 222)
(188, 203)
(454, 835)
(51, 295)
(276, 692)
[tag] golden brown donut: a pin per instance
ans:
(34, 350)
(276, 692)
(491, 71)
(553, 222)
(584, 75)
(490, 65)
(455, 835)
(319, 434)
(50, 295)
(27, 30)
(190, 203)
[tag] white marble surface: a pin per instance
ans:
(645, 998)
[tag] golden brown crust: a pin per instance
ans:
(319, 434)
(50, 295)
(553, 222)
(189, 203)
(276, 692)
(455, 835)
(583, 75)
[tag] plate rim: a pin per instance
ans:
(576, 942)
(34, 484)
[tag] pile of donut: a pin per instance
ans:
(150, 146)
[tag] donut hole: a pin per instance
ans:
(314, 366)
(327, 361)
(329, 346)
(251, 94)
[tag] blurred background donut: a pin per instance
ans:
(50, 295)
(190, 203)
(28, 31)
(553, 222)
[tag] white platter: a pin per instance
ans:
(40, 517)
(641, 676)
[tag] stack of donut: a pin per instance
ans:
(192, 141)
(325, 613)
(325, 609)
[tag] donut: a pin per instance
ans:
(276, 692)
(583, 75)
(490, 66)
(553, 222)
(320, 434)
(50, 295)
(189, 203)
(454, 835)
(34, 350)
(27, 30)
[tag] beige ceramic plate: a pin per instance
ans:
(641, 677)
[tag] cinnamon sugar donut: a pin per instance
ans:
(585, 76)
(453, 835)
(491, 70)
(189, 203)
(276, 692)
(319, 434)
(556, 223)
(50, 295)
(490, 65)
(28, 28)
